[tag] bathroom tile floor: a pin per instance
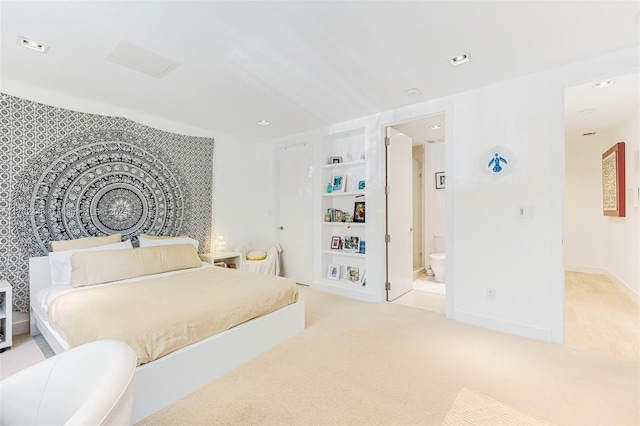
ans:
(426, 294)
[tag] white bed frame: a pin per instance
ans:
(170, 378)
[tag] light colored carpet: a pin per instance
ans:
(363, 363)
(23, 353)
(473, 409)
(600, 317)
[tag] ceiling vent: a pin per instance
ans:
(142, 60)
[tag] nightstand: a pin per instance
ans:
(228, 257)
(5, 315)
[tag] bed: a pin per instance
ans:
(162, 381)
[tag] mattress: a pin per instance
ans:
(160, 314)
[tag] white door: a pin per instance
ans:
(295, 212)
(399, 214)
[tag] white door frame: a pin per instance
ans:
(418, 113)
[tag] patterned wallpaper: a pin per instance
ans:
(66, 174)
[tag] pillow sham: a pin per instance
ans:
(90, 268)
(152, 242)
(60, 261)
(85, 243)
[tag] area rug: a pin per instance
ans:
(471, 408)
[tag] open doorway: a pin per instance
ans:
(427, 203)
(601, 269)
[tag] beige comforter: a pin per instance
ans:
(160, 315)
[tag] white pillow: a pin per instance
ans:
(150, 242)
(60, 261)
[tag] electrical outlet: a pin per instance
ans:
(491, 294)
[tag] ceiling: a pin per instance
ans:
(300, 65)
(588, 109)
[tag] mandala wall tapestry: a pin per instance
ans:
(67, 175)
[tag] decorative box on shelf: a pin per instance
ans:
(228, 259)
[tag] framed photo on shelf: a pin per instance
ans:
(335, 243)
(339, 182)
(333, 272)
(440, 180)
(335, 160)
(359, 212)
(353, 274)
(351, 244)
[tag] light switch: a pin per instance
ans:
(525, 211)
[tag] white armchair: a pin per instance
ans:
(87, 385)
(269, 265)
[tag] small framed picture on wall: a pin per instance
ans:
(440, 180)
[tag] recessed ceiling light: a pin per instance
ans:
(412, 92)
(435, 127)
(460, 59)
(264, 122)
(587, 111)
(603, 84)
(33, 45)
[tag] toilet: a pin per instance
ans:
(437, 259)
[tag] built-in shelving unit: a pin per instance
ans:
(343, 182)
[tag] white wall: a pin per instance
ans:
(244, 188)
(584, 221)
(594, 242)
(492, 246)
(435, 199)
(622, 235)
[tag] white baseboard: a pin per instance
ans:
(626, 289)
(418, 272)
(20, 323)
(506, 327)
(585, 269)
(329, 287)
